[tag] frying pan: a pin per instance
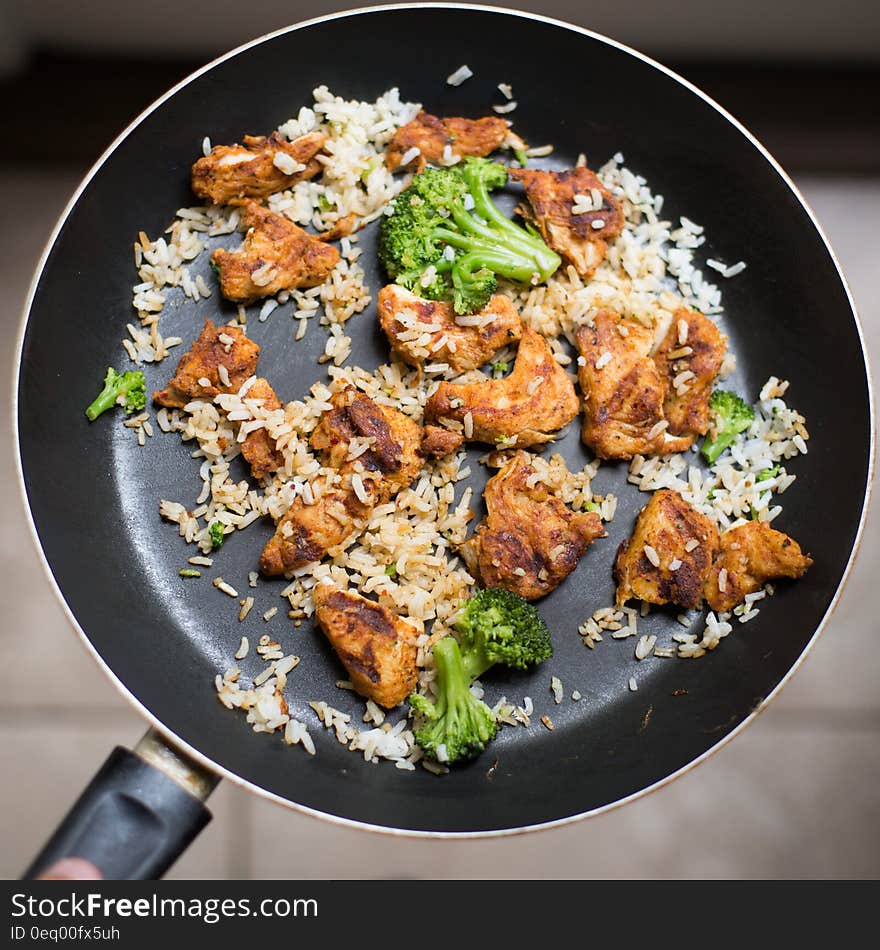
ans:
(93, 492)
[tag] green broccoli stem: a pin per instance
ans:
(499, 230)
(475, 663)
(515, 263)
(106, 400)
(713, 450)
(548, 261)
(451, 674)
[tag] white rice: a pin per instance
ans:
(460, 75)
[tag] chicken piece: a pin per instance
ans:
(306, 532)
(376, 647)
(669, 555)
(530, 541)
(342, 228)
(525, 408)
(392, 460)
(751, 555)
(258, 448)
(623, 390)
(236, 174)
(421, 331)
(438, 442)
(276, 255)
(582, 239)
(432, 135)
(692, 344)
(198, 373)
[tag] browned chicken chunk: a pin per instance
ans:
(276, 255)
(340, 506)
(258, 448)
(751, 555)
(308, 531)
(438, 442)
(530, 541)
(623, 390)
(198, 374)
(426, 331)
(236, 174)
(525, 408)
(392, 458)
(669, 555)
(431, 136)
(375, 646)
(692, 345)
(582, 239)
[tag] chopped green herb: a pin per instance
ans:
(324, 203)
(769, 473)
(500, 368)
(521, 156)
(591, 506)
(369, 168)
(215, 267)
(189, 572)
(391, 570)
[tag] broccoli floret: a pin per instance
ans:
(127, 389)
(498, 626)
(495, 626)
(500, 368)
(445, 238)
(458, 726)
(216, 534)
(732, 415)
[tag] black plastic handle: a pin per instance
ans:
(132, 822)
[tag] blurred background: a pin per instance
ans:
(797, 795)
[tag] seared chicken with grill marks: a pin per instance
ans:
(432, 136)
(582, 239)
(426, 331)
(385, 444)
(751, 555)
(276, 255)
(236, 174)
(693, 344)
(438, 442)
(392, 441)
(309, 531)
(525, 408)
(376, 647)
(669, 555)
(199, 374)
(258, 448)
(530, 541)
(623, 390)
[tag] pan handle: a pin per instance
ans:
(137, 815)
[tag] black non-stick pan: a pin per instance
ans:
(93, 492)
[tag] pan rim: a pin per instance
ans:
(168, 733)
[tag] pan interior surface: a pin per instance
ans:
(94, 492)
